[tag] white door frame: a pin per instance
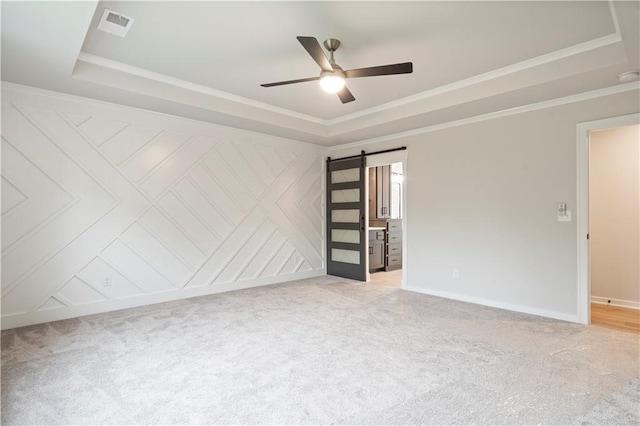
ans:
(582, 216)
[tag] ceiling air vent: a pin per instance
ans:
(115, 23)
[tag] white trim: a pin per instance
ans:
(447, 88)
(612, 90)
(118, 109)
(582, 204)
(593, 94)
(544, 59)
(615, 302)
(404, 284)
(30, 318)
(598, 93)
(172, 81)
(500, 305)
(487, 76)
(614, 17)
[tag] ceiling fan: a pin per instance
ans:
(332, 77)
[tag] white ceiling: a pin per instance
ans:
(206, 60)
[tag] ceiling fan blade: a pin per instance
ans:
(282, 83)
(403, 68)
(314, 49)
(345, 95)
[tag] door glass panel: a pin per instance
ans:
(345, 216)
(345, 236)
(346, 175)
(345, 195)
(345, 256)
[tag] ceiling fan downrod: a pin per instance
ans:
(331, 44)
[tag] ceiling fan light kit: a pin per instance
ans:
(331, 83)
(332, 77)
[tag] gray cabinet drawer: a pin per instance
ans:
(394, 225)
(394, 249)
(394, 260)
(395, 237)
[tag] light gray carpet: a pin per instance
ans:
(319, 351)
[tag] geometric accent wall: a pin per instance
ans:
(105, 206)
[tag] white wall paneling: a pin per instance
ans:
(106, 207)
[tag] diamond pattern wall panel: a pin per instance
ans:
(105, 207)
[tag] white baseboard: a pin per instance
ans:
(500, 305)
(615, 302)
(31, 318)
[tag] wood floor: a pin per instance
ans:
(387, 279)
(615, 317)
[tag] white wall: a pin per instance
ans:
(106, 207)
(614, 215)
(482, 198)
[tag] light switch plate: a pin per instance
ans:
(566, 217)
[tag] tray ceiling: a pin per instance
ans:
(206, 60)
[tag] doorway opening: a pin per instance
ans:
(386, 220)
(609, 222)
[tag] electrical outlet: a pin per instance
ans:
(107, 281)
(455, 273)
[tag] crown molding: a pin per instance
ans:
(183, 84)
(584, 96)
(490, 75)
(7, 90)
(521, 66)
(563, 62)
(557, 55)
